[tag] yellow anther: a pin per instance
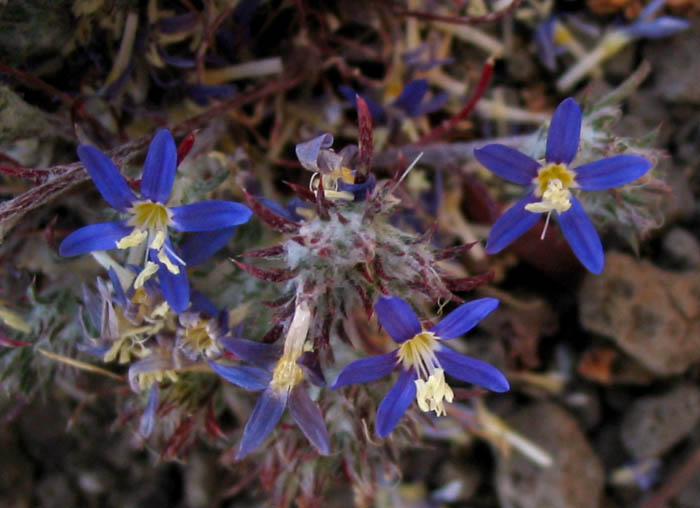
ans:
(555, 198)
(150, 215)
(431, 394)
(346, 175)
(160, 311)
(338, 195)
(562, 36)
(158, 241)
(147, 379)
(546, 174)
(132, 239)
(199, 338)
(163, 258)
(432, 390)
(148, 271)
(287, 374)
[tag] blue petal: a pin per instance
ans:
(308, 416)
(544, 42)
(663, 26)
(148, 418)
(611, 172)
(508, 163)
(431, 105)
(394, 405)
(582, 237)
(511, 225)
(258, 353)
(308, 151)
(94, 237)
(564, 132)
(366, 370)
(119, 295)
(464, 318)
(278, 209)
(175, 287)
(250, 378)
(412, 94)
(651, 9)
(201, 245)
(159, 168)
(471, 370)
(375, 110)
(397, 318)
(106, 177)
(209, 215)
(267, 412)
(360, 191)
(201, 303)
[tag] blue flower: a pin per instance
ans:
(279, 375)
(422, 359)
(339, 181)
(550, 183)
(410, 101)
(150, 217)
(658, 28)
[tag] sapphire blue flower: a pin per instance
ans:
(279, 375)
(150, 217)
(422, 359)
(663, 26)
(410, 101)
(549, 186)
(339, 181)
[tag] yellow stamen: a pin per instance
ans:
(553, 171)
(148, 271)
(556, 197)
(430, 394)
(150, 215)
(132, 239)
(432, 390)
(287, 374)
(199, 338)
(147, 379)
(158, 241)
(346, 175)
(163, 258)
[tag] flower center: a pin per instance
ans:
(546, 174)
(556, 197)
(432, 390)
(287, 374)
(552, 185)
(330, 184)
(198, 338)
(149, 215)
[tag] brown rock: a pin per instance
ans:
(575, 479)
(652, 314)
(655, 424)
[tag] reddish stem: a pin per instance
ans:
(448, 125)
(31, 174)
(37, 84)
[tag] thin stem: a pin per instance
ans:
(446, 126)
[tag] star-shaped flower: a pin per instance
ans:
(280, 377)
(550, 185)
(422, 359)
(150, 217)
